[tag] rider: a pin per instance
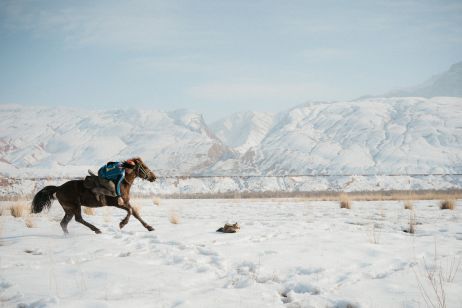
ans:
(115, 171)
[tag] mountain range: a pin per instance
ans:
(371, 136)
(375, 135)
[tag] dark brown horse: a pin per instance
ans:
(72, 195)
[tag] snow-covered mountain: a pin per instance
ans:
(62, 142)
(371, 136)
(448, 83)
(345, 140)
(244, 130)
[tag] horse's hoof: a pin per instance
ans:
(121, 225)
(150, 228)
(98, 231)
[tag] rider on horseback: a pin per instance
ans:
(92, 191)
(115, 172)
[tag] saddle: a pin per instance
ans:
(99, 185)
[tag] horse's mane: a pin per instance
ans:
(137, 159)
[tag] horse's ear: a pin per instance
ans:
(137, 159)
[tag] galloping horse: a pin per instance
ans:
(72, 195)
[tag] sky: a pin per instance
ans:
(220, 57)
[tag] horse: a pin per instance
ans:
(72, 195)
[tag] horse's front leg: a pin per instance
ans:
(137, 216)
(125, 220)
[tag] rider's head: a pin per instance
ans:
(129, 164)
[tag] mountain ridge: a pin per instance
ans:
(448, 83)
(370, 136)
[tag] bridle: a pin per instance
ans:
(144, 175)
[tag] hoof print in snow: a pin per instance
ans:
(285, 298)
(345, 304)
(301, 288)
(34, 252)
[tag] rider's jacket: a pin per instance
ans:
(113, 171)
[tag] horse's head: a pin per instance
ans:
(142, 171)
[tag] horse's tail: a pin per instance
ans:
(43, 199)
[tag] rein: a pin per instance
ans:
(144, 175)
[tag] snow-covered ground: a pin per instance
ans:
(288, 253)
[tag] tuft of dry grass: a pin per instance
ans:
(174, 218)
(345, 202)
(18, 210)
(412, 222)
(107, 214)
(88, 211)
(408, 205)
(434, 278)
(448, 204)
(156, 201)
(375, 233)
(29, 222)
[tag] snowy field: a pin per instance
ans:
(288, 253)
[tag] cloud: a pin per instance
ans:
(126, 25)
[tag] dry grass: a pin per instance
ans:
(174, 218)
(156, 201)
(433, 280)
(345, 202)
(1, 210)
(448, 204)
(18, 210)
(412, 222)
(88, 211)
(29, 222)
(408, 205)
(375, 232)
(107, 214)
(384, 195)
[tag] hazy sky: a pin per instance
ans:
(219, 57)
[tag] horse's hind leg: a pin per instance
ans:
(67, 217)
(68, 214)
(78, 218)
